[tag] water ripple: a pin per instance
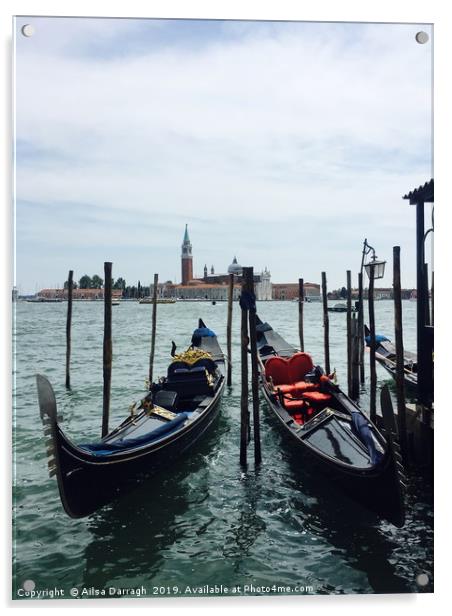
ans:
(203, 521)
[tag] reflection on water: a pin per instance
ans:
(202, 520)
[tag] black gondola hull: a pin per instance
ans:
(377, 490)
(385, 355)
(410, 380)
(90, 476)
(86, 485)
(336, 439)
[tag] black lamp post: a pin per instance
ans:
(374, 264)
(374, 269)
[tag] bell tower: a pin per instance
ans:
(186, 258)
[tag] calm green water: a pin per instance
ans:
(204, 521)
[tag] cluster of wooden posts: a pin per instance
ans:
(355, 351)
(355, 347)
(356, 343)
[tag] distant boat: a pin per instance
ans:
(160, 300)
(340, 308)
(385, 354)
(39, 299)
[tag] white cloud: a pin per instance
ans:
(304, 123)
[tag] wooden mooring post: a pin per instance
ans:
(326, 324)
(300, 311)
(400, 367)
(433, 297)
(248, 273)
(229, 329)
(356, 341)
(349, 332)
(373, 369)
(70, 285)
(427, 302)
(361, 327)
(107, 358)
(154, 327)
(244, 412)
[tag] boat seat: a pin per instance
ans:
(317, 399)
(286, 388)
(299, 365)
(304, 386)
(177, 365)
(289, 371)
(307, 400)
(293, 405)
(167, 399)
(189, 382)
(304, 416)
(316, 396)
(298, 388)
(277, 369)
(296, 394)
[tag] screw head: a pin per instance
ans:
(28, 30)
(422, 579)
(422, 37)
(28, 585)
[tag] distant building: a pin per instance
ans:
(388, 293)
(289, 291)
(186, 259)
(214, 286)
(79, 294)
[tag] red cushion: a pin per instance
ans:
(287, 389)
(278, 369)
(302, 386)
(316, 396)
(299, 365)
(293, 405)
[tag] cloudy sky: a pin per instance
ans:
(283, 143)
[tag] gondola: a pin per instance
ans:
(331, 431)
(174, 414)
(385, 354)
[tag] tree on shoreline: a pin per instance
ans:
(85, 282)
(96, 282)
(74, 285)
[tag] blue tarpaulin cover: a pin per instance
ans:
(362, 430)
(104, 449)
(378, 338)
(203, 332)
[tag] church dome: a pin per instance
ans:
(235, 268)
